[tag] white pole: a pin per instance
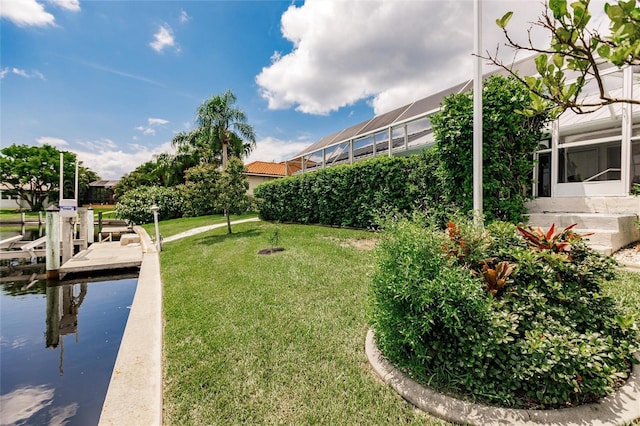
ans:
(76, 188)
(53, 243)
(155, 209)
(477, 112)
(61, 176)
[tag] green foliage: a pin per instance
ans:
(351, 196)
(163, 170)
(232, 187)
(135, 205)
(439, 181)
(143, 175)
(536, 332)
(550, 240)
(201, 191)
(274, 237)
(33, 173)
(207, 190)
(271, 340)
(575, 52)
(220, 126)
(232, 190)
(509, 140)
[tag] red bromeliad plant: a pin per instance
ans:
(465, 246)
(496, 279)
(459, 249)
(557, 242)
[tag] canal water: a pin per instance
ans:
(58, 346)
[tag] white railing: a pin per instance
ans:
(601, 173)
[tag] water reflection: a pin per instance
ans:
(23, 403)
(29, 233)
(62, 315)
(58, 345)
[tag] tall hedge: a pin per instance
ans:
(439, 181)
(509, 140)
(351, 195)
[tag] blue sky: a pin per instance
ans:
(114, 81)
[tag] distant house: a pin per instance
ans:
(263, 171)
(101, 192)
(8, 200)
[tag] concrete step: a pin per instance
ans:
(605, 250)
(603, 238)
(611, 231)
(604, 221)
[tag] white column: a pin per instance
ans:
(625, 161)
(53, 243)
(477, 111)
(66, 235)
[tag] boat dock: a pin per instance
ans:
(123, 254)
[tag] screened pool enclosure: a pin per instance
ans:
(594, 154)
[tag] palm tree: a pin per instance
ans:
(221, 123)
(192, 147)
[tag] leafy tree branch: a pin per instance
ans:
(576, 55)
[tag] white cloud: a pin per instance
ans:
(20, 72)
(25, 13)
(21, 404)
(272, 149)
(60, 416)
(386, 52)
(163, 39)
(111, 162)
(184, 17)
(99, 145)
(155, 121)
(72, 5)
(152, 123)
(50, 140)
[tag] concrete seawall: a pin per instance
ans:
(134, 396)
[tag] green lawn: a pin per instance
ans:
(14, 214)
(175, 226)
(272, 339)
(279, 339)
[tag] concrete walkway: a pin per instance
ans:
(202, 229)
(622, 408)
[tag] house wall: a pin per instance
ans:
(257, 180)
(9, 202)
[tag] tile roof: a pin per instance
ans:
(266, 169)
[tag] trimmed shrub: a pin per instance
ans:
(135, 205)
(509, 141)
(351, 195)
(514, 325)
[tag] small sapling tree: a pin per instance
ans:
(233, 187)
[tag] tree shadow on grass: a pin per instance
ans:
(214, 239)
